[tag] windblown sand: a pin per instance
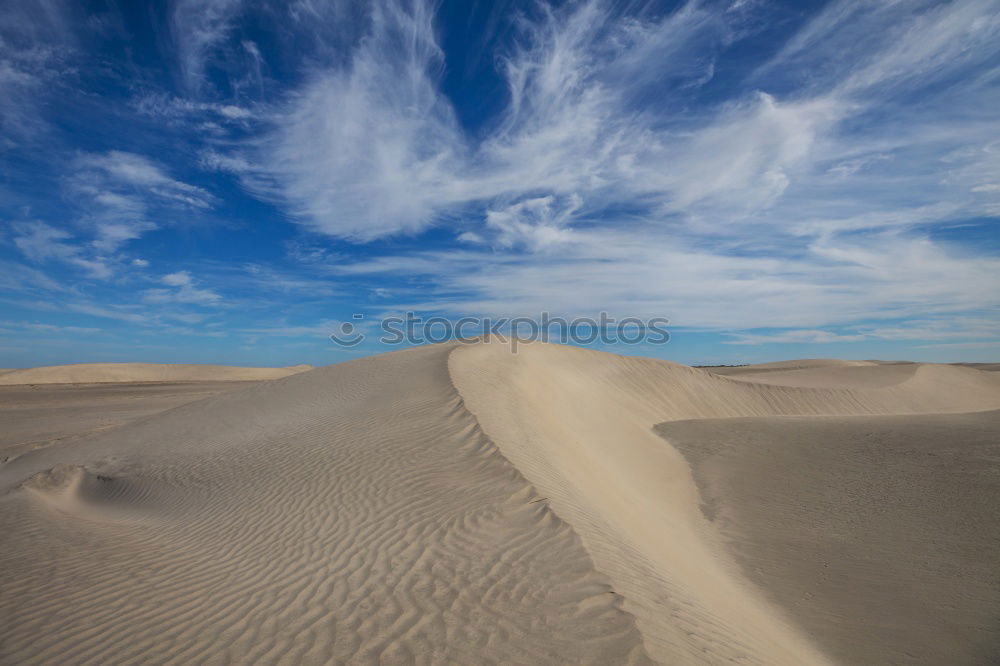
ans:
(462, 504)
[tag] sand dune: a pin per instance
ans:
(579, 425)
(462, 504)
(798, 364)
(989, 367)
(855, 375)
(94, 373)
(354, 513)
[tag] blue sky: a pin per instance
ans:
(227, 181)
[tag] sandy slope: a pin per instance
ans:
(92, 373)
(452, 503)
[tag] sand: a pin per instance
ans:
(91, 373)
(39, 415)
(877, 533)
(461, 504)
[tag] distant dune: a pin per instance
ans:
(34, 416)
(94, 373)
(463, 504)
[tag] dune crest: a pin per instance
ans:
(97, 373)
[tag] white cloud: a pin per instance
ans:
(118, 168)
(114, 193)
(212, 160)
(320, 331)
(793, 337)
(198, 27)
(537, 223)
(180, 279)
(172, 109)
(992, 345)
(16, 277)
(36, 327)
(36, 40)
(185, 291)
(747, 158)
(877, 278)
(107, 312)
(372, 147)
(945, 328)
(233, 112)
(40, 242)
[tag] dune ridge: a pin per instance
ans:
(99, 373)
(450, 503)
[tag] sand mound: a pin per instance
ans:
(452, 503)
(93, 373)
(81, 493)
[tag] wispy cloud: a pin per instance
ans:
(198, 26)
(370, 148)
(36, 39)
(113, 193)
(654, 273)
(36, 327)
(945, 328)
(16, 277)
(40, 242)
(793, 337)
(182, 289)
(354, 160)
(798, 202)
(114, 169)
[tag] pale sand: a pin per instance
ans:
(460, 504)
(878, 534)
(579, 426)
(93, 373)
(354, 513)
(38, 415)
